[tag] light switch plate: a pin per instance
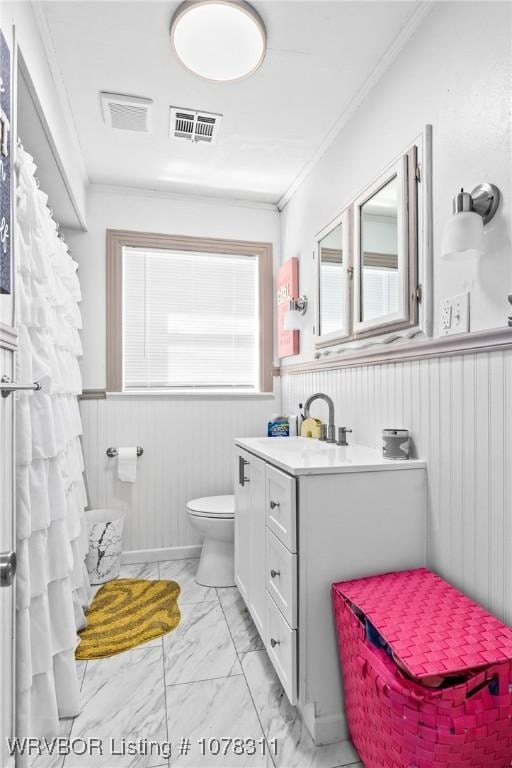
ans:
(454, 315)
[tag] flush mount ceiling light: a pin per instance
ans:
(219, 40)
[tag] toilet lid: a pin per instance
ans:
(213, 506)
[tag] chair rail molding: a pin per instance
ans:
(466, 343)
(93, 394)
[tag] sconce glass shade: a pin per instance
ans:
(463, 235)
(294, 316)
(293, 320)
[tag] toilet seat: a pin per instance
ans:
(213, 506)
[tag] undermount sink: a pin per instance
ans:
(287, 445)
(305, 443)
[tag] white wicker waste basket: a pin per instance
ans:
(105, 544)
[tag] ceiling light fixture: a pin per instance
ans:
(221, 40)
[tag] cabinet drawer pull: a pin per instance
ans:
(274, 504)
(274, 573)
(273, 642)
(242, 479)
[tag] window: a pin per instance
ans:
(188, 314)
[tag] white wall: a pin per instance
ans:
(459, 412)
(188, 453)
(187, 441)
(454, 73)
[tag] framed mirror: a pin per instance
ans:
(333, 278)
(374, 261)
(385, 254)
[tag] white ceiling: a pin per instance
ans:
(320, 55)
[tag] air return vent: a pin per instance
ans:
(192, 125)
(129, 113)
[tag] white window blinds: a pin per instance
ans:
(380, 292)
(332, 292)
(190, 320)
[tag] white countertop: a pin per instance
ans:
(307, 456)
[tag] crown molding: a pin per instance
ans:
(184, 197)
(413, 21)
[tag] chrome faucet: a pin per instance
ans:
(331, 429)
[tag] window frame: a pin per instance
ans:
(327, 339)
(117, 240)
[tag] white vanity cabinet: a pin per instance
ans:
(250, 534)
(308, 514)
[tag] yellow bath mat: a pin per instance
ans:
(127, 612)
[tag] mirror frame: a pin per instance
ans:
(328, 339)
(415, 165)
(404, 170)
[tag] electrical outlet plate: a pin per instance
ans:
(454, 315)
(446, 316)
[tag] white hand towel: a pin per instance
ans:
(127, 464)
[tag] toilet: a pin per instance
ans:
(214, 518)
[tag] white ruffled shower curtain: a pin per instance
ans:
(52, 582)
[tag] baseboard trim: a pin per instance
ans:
(163, 553)
(330, 729)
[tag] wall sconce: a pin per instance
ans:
(464, 231)
(294, 317)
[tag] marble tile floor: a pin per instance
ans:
(209, 679)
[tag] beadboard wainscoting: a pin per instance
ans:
(188, 445)
(459, 412)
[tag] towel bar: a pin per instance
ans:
(7, 386)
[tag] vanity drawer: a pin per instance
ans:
(281, 646)
(281, 578)
(281, 509)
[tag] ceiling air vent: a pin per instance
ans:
(129, 113)
(192, 125)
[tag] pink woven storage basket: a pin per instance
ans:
(432, 629)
